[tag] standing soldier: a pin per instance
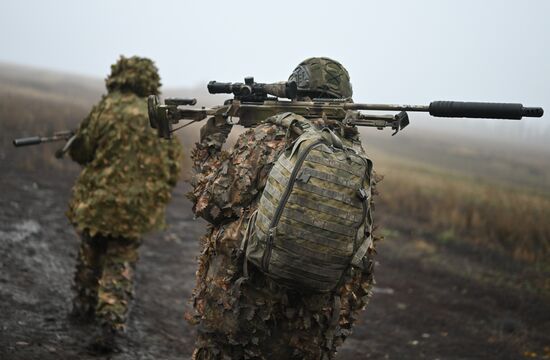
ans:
(242, 313)
(120, 194)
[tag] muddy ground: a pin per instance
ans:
(432, 300)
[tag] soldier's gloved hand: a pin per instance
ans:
(215, 132)
(59, 153)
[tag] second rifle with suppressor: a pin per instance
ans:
(68, 136)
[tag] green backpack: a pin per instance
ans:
(314, 218)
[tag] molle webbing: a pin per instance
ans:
(312, 216)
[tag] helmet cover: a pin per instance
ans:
(134, 74)
(322, 77)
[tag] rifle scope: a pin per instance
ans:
(284, 89)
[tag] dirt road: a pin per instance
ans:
(432, 300)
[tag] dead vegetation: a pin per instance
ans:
(456, 209)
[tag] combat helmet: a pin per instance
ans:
(134, 74)
(321, 77)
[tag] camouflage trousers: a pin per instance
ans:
(243, 314)
(103, 281)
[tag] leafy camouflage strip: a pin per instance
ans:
(128, 171)
(86, 279)
(134, 74)
(223, 185)
(104, 279)
(255, 317)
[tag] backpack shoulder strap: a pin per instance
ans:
(286, 119)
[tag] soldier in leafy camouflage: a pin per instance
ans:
(240, 312)
(121, 192)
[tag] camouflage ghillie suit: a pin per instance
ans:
(121, 192)
(240, 312)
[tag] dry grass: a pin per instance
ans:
(513, 220)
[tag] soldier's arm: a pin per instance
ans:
(83, 146)
(235, 180)
(87, 136)
(174, 152)
(213, 135)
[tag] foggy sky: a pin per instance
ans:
(395, 51)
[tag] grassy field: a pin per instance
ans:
(506, 218)
(499, 216)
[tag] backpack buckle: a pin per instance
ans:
(362, 194)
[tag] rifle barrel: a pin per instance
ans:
(459, 109)
(386, 107)
(33, 140)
